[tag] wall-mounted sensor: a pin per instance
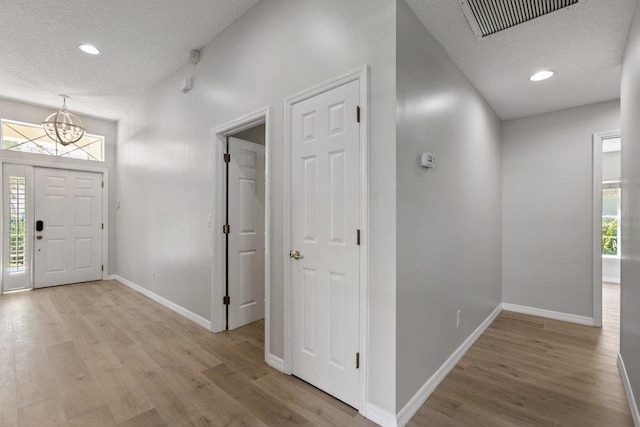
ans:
(186, 85)
(428, 160)
(194, 56)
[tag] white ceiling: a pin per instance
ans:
(583, 44)
(142, 42)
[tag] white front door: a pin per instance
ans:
(68, 248)
(246, 235)
(325, 208)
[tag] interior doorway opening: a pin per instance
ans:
(247, 236)
(245, 227)
(612, 239)
(608, 239)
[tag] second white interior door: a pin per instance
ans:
(325, 209)
(68, 248)
(246, 249)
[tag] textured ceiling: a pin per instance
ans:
(583, 44)
(142, 42)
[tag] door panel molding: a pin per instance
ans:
(361, 75)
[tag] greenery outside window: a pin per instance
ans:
(611, 219)
(31, 138)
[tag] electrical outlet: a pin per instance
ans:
(458, 313)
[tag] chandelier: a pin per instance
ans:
(62, 126)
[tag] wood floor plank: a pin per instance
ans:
(124, 397)
(173, 409)
(79, 391)
(46, 413)
(261, 404)
(317, 411)
(101, 417)
(220, 409)
(150, 418)
(35, 381)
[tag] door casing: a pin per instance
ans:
(219, 137)
(598, 139)
(362, 76)
(44, 164)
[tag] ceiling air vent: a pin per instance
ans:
(488, 17)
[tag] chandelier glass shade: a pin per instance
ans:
(63, 127)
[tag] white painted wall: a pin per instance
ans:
(611, 166)
(611, 270)
(29, 113)
(448, 218)
(164, 154)
(630, 288)
(547, 206)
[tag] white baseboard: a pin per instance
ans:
(627, 388)
(611, 279)
(275, 362)
(199, 320)
(556, 315)
(425, 391)
(380, 416)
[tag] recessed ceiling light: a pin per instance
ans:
(542, 75)
(90, 49)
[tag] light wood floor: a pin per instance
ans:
(526, 370)
(100, 354)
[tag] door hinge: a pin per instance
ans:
(226, 300)
(358, 237)
(103, 225)
(358, 360)
(102, 268)
(226, 229)
(102, 184)
(227, 157)
(358, 113)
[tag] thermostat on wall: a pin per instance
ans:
(428, 160)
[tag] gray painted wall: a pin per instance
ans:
(276, 49)
(630, 275)
(448, 218)
(255, 134)
(29, 113)
(547, 206)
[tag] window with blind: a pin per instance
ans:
(17, 219)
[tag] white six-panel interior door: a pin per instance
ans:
(246, 244)
(325, 209)
(68, 249)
